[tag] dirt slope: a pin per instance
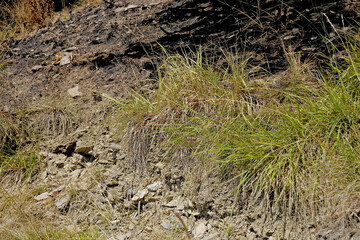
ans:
(110, 48)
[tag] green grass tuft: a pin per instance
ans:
(286, 136)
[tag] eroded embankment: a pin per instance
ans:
(58, 76)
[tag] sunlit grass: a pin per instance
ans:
(274, 136)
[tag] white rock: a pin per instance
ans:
(36, 68)
(65, 60)
(74, 92)
(140, 195)
(211, 237)
(165, 225)
(114, 146)
(70, 49)
(153, 187)
(43, 154)
(131, 226)
(173, 203)
(62, 201)
(200, 229)
(120, 237)
(131, 6)
(42, 196)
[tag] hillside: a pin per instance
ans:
(181, 119)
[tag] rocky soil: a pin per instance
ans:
(61, 72)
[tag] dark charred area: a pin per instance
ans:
(115, 41)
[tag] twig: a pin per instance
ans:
(182, 222)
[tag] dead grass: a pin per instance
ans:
(52, 121)
(25, 15)
(20, 17)
(21, 218)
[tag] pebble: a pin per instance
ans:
(36, 68)
(165, 225)
(65, 60)
(62, 201)
(139, 196)
(211, 236)
(120, 237)
(74, 92)
(200, 229)
(83, 147)
(42, 196)
(153, 187)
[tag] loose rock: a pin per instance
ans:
(61, 202)
(74, 92)
(42, 196)
(153, 187)
(200, 229)
(139, 196)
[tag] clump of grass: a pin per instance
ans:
(276, 137)
(18, 17)
(17, 146)
(24, 15)
(52, 121)
(25, 163)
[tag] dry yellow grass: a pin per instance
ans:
(19, 17)
(30, 12)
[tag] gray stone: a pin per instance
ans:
(120, 237)
(211, 236)
(61, 202)
(139, 196)
(105, 161)
(42, 196)
(65, 60)
(36, 68)
(83, 147)
(200, 229)
(175, 204)
(165, 225)
(74, 92)
(114, 146)
(153, 187)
